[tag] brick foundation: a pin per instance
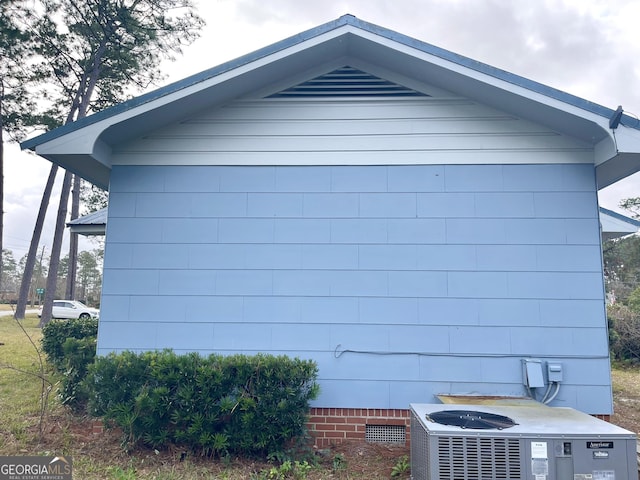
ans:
(332, 426)
(605, 417)
(97, 427)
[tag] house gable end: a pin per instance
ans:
(352, 116)
(345, 37)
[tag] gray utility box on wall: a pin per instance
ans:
(523, 442)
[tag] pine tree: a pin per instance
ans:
(16, 108)
(98, 52)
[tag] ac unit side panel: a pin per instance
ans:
(420, 456)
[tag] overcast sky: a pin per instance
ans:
(588, 48)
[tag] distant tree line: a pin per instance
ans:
(88, 277)
(621, 259)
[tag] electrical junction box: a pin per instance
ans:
(532, 373)
(554, 372)
(524, 442)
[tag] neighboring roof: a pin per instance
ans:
(91, 224)
(86, 146)
(615, 225)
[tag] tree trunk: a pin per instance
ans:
(73, 241)
(1, 186)
(23, 296)
(2, 282)
(54, 261)
(60, 224)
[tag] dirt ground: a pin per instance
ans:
(627, 414)
(95, 454)
(102, 456)
(347, 461)
(626, 399)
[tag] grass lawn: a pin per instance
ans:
(20, 388)
(101, 456)
(626, 397)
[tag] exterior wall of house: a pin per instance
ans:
(401, 280)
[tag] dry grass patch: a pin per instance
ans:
(626, 398)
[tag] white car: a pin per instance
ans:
(72, 309)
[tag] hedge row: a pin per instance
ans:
(214, 405)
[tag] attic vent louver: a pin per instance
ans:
(347, 82)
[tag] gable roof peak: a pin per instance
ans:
(279, 47)
(359, 44)
(348, 18)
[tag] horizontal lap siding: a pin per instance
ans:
(276, 132)
(401, 281)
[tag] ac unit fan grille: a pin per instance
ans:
(471, 419)
(479, 458)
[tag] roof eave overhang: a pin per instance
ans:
(93, 164)
(85, 147)
(617, 156)
(88, 230)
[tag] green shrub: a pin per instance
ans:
(402, 468)
(56, 332)
(624, 333)
(213, 405)
(70, 347)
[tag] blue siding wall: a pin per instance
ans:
(402, 282)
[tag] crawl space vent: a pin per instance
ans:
(471, 419)
(347, 82)
(385, 434)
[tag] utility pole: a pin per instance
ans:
(38, 279)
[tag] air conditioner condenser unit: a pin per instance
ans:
(523, 442)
